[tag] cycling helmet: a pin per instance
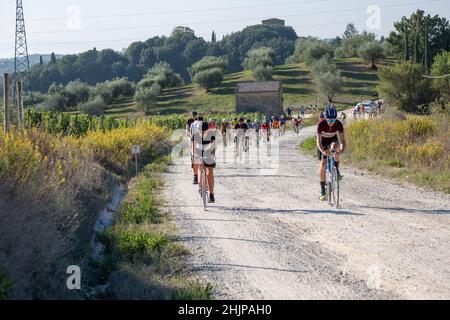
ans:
(256, 121)
(322, 115)
(212, 120)
(331, 113)
(241, 120)
(282, 116)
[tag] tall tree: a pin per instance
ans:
(53, 58)
(350, 31)
(213, 37)
(41, 61)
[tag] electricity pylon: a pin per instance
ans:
(21, 60)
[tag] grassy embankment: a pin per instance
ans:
(409, 148)
(52, 188)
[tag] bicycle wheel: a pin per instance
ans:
(204, 191)
(335, 188)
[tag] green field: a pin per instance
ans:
(298, 87)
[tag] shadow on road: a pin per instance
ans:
(222, 266)
(225, 238)
(288, 211)
(424, 211)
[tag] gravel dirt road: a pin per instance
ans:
(269, 237)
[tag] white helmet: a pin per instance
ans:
(256, 121)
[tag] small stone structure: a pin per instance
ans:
(264, 96)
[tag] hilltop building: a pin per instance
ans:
(274, 21)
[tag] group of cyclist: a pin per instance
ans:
(202, 137)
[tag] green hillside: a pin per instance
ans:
(298, 87)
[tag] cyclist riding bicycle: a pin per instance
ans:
(321, 117)
(276, 124)
(212, 124)
(265, 128)
(295, 123)
(330, 134)
(223, 128)
(282, 123)
(204, 146)
(196, 127)
(189, 122)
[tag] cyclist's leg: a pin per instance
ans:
(337, 157)
(322, 173)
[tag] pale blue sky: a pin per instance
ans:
(53, 25)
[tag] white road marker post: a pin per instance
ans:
(136, 149)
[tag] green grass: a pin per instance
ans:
(298, 89)
(309, 146)
(6, 285)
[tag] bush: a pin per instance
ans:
(77, 92)
(104, 90)
(55, 102)
(262, 73)
(146, 97)
(6, 285)
(209, 78)
(122, 87)
(309, 49)
(96, 107)
(323, 65)
(328, 84)
(404, 87)
(162, 74)
(208, 63)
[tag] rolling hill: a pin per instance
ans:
(359, 84)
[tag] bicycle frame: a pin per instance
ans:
(204, 182)
(332, 179)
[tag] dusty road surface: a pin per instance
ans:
(269, 237)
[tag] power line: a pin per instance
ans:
(296, 26)
(182, 11)
(221, 9)
(436, 77)
(221, 21)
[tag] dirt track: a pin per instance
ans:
(268, 236)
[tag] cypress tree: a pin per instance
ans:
(213, 37)
(406, 46)
(416, 42)
(41, 61)
(426, 44)
(53, 58)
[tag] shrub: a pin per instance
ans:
(209, 78)
(404, 87)
(56, 102)
(96, 107)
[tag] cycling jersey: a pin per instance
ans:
(234, 124)
(256, 126)
(225, 126)
(265, 126)
(203, 147)
(212, 126)
(275, 124)
(329, 134)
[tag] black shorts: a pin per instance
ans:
(326, 146)
(209, 161)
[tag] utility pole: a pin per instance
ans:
(19, 104)
(5, 102)
(21, 60)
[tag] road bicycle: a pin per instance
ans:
(204, 190)
(333, 181)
